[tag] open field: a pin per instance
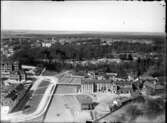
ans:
(64, 109)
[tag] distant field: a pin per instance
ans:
(69, 34)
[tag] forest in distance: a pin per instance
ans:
(56, 57)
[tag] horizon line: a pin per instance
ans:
(77, 31)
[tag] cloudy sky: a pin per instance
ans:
(84, 16)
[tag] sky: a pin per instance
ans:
(83, 16)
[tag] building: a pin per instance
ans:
(124, 89)
(46, 44)
(123, 82)
(94, 85)
(117, 86)
(10, 66)
(6, 67)
(14, 75)
(91, 75)
(123, 86)
(111, 75)
(151, 88)
(12, 71)
(23, 75)
(5, 74)
(87, 86)
(151, 85)
(36, 44)
(30, 76)
(16, 66)
(105, 86)
(7, 51)
(18, 76)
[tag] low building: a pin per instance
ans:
(111, 75)
(46, 44)
(5, 75)
(30, 76)
(6, 67)
(23, 76)
(14, 76)
(91, 75)
(19, 76)
(124, 89)
(151, 88)
(36, 44)
(10, 66)
(148, 78)
(16, 66)
(122, 82)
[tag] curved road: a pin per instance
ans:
(20, 117)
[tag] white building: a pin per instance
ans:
(46, 44)
(94, 85)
